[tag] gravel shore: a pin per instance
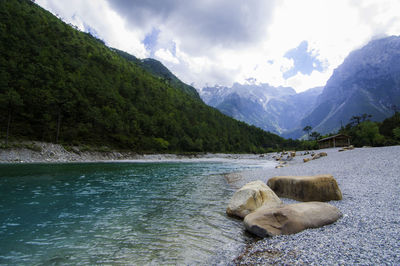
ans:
(43, 152)
(369, 231)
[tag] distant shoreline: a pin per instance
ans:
(43, 152)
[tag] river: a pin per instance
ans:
(119, 213)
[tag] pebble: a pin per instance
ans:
(369, 231)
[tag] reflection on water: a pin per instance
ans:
(107, 213)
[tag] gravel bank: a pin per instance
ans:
(369, 231)
(43, 152)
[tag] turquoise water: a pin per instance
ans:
(111, 213)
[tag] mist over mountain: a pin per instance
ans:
(368, 81)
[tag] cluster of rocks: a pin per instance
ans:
(265, 214)
(315, 156)
(284, 157)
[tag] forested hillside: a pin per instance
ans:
(157, 69)
(58, 84)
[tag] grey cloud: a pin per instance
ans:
(202, 25)
(367, 14)
(140, 12)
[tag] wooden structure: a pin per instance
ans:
(339, 140)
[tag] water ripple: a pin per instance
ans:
(111, 213)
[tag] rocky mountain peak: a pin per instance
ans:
(368, 81)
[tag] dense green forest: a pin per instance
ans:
(58, 84)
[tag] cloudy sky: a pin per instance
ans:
(296, 43)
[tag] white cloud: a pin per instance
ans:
(108, 24)
(226, 41)
(166, 56)
(303, 82)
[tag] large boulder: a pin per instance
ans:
(290, 219)
(306, 188)
(250, 197)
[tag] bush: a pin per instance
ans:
(367, 134)
(396, 133)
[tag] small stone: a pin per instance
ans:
(319, 155)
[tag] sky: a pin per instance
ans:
(291, 43)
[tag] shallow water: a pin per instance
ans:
(108, 213)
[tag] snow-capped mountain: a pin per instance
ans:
(276, 109)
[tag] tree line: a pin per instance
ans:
(364, 132)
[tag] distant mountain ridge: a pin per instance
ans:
(157, 69)
(368, 81)
(276, 109)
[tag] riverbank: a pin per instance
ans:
(367, 234)
(368, 178)
(43, 152)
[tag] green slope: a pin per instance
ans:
(157, 69)
(59, 84)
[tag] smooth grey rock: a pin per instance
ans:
(290, 219)
(306, 188)
(250, 197)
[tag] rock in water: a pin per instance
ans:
(306, 188)
(290, 219)
(250, 197)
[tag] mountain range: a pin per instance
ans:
(275, 109)
(368, 81)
